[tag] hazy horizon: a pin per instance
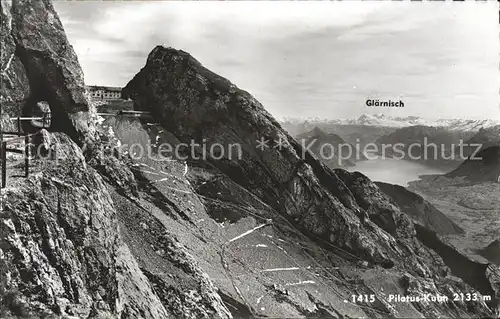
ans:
(308, 59)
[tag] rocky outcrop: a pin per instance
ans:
(62, 253)
(483, 277)
(330, 148)
(56, 146)
(115, 172)
(483, 167)
(39, 64)
(431, 146)
(420, 210)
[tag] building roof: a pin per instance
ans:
(105, 88)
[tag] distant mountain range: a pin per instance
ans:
(447, 134)
(400, 122)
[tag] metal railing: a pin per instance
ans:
(27, 155)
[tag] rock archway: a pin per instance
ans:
(64, 117)
(42, 56)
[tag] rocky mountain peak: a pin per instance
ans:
(195, 104)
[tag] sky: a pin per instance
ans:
(308, 59)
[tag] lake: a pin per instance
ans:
(394, 171)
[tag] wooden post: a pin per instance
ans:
(26, 155)
(4, 164)
(54, 157)
(18, 126)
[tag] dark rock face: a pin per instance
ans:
(420, 210)
(486, 137)
(493, 276)
(328, 146)
(38, 64)
(485, 166)
(483, 277)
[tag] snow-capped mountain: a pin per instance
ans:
(399, 122)
(468, 125)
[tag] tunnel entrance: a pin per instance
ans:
(51, 115)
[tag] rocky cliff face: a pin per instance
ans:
(39, 64)
(328, 147)
(436, 145)
(485, 137)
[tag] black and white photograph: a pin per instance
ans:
(249, 159)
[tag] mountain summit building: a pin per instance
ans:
(104, 92)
